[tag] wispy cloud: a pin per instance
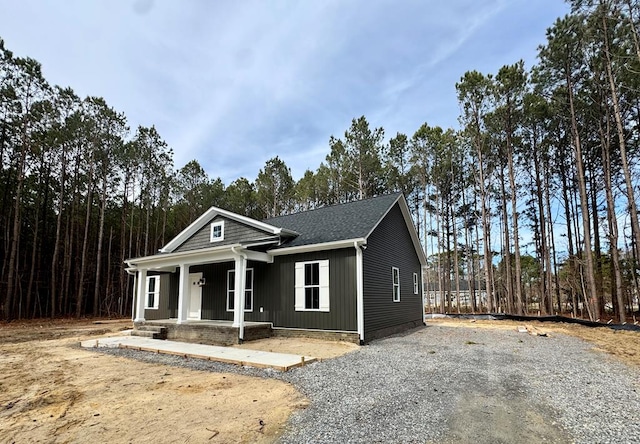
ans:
(232, 84)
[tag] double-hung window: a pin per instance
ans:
(248, 290)
(152, 293)
(396, 283)
(312, 286)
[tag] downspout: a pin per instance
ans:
(242, 277)
(424, 315)
(359, 291)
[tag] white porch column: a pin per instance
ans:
(184, 294)
(238, 289)
(140, 294)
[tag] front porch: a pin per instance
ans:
(195, 294)
(210, 332)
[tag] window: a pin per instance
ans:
(248, 290)
(312, 286)
(217, 231)
(152, 294)
(415, 283)
(396, 284)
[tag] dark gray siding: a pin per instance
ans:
(390, 246)
(275, 292)
(168, 298)
(214, 292)
(234, 233)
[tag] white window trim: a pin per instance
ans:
(323, 285)
(415, 283)
(156, 293)
(394, 271)
(230, 291)
(217, 224)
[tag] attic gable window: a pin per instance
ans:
(217, 231)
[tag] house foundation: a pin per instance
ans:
(208, 332)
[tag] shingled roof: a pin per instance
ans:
(353, 220)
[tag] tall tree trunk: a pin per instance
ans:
(486, 234)
(568, 217)
(617, 113)
(96, 290)
(596, 244)
(15, 231)
(456, 266)
(544, 248)
(551, 243)
(613, 231)
(591, 295)
(108, 289)
(506, 255)
(478, 264)
(56, 243)
(514, 216)
(123, 240)
(441, 286)
(468, 240)
(85, 243)
(34, 252)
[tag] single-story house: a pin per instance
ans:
(351, 270)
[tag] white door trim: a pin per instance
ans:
(195, 297)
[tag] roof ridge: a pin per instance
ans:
(397, 193)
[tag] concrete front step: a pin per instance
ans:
(147, 327)
(150, 331)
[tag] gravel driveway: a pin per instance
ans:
(449, 385)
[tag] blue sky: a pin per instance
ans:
(235, 83)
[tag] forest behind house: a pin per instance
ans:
(528, 207)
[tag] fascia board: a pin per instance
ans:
(182, 257)
(252, 222)
(317, 247)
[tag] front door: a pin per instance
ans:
(195, 296)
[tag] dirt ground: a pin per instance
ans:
(51, 390)
(302, 346)
(624, 345)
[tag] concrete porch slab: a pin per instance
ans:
(253, 358)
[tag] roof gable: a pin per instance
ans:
(352, 220)
(349, 221)
(208, 216)
(233, 233)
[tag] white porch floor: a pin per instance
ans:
(229, 355)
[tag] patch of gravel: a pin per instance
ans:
(446, 384)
